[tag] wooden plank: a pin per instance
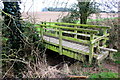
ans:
(66, 53)
(103, 55)
(100, 38)
(51, 29)
(86, 35)
(76, 50)
(70, 28)
(50, 43)
(52, 48)
(69, 46)
(84, 25)
(50, 34)
(108, 49)
(76, 40)
(80, 34)
(74, 55)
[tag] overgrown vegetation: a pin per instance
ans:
(27, 53)
(21, 42)
(28, 59)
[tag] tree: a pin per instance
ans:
(13, 22)
(81, 11)
(11, 15)
(85, 9)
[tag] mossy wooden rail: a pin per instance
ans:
(76, 40)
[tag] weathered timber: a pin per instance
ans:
(76, 40)
(104, 41)
(74, 47)
(68, 45)
(91, 48)
(102, 56)
(84, 25)
(75, 31)
(70, 28)
(60, 41)
(108, 49)
(67, 53)
(100, 38)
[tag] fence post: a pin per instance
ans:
(91, 48)
(75, 32)
(60, 41)
(104, 41)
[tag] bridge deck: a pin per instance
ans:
(65, 43)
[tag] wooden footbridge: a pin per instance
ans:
(77, 40)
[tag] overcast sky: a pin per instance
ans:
(38, 5)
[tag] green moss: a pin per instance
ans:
(70, 28)
(83, 25)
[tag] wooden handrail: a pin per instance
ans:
(91, 37)
(100, 38)
(70, 28)
(84, 25)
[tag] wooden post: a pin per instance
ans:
(56, 32)
(98, 47)
(91, 48)
(75, 32)
(104, 41)
(41, 31)
(44, 24)
(60, 41)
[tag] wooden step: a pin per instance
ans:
(108, 49)
(102, 56)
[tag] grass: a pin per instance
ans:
(117, 57)
(108, 74)
(104, 75)
(102, 19)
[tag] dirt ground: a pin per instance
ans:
(79, 67)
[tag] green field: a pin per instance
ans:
(94, 20)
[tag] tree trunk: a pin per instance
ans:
(83, 19)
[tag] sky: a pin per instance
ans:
(38, 5)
